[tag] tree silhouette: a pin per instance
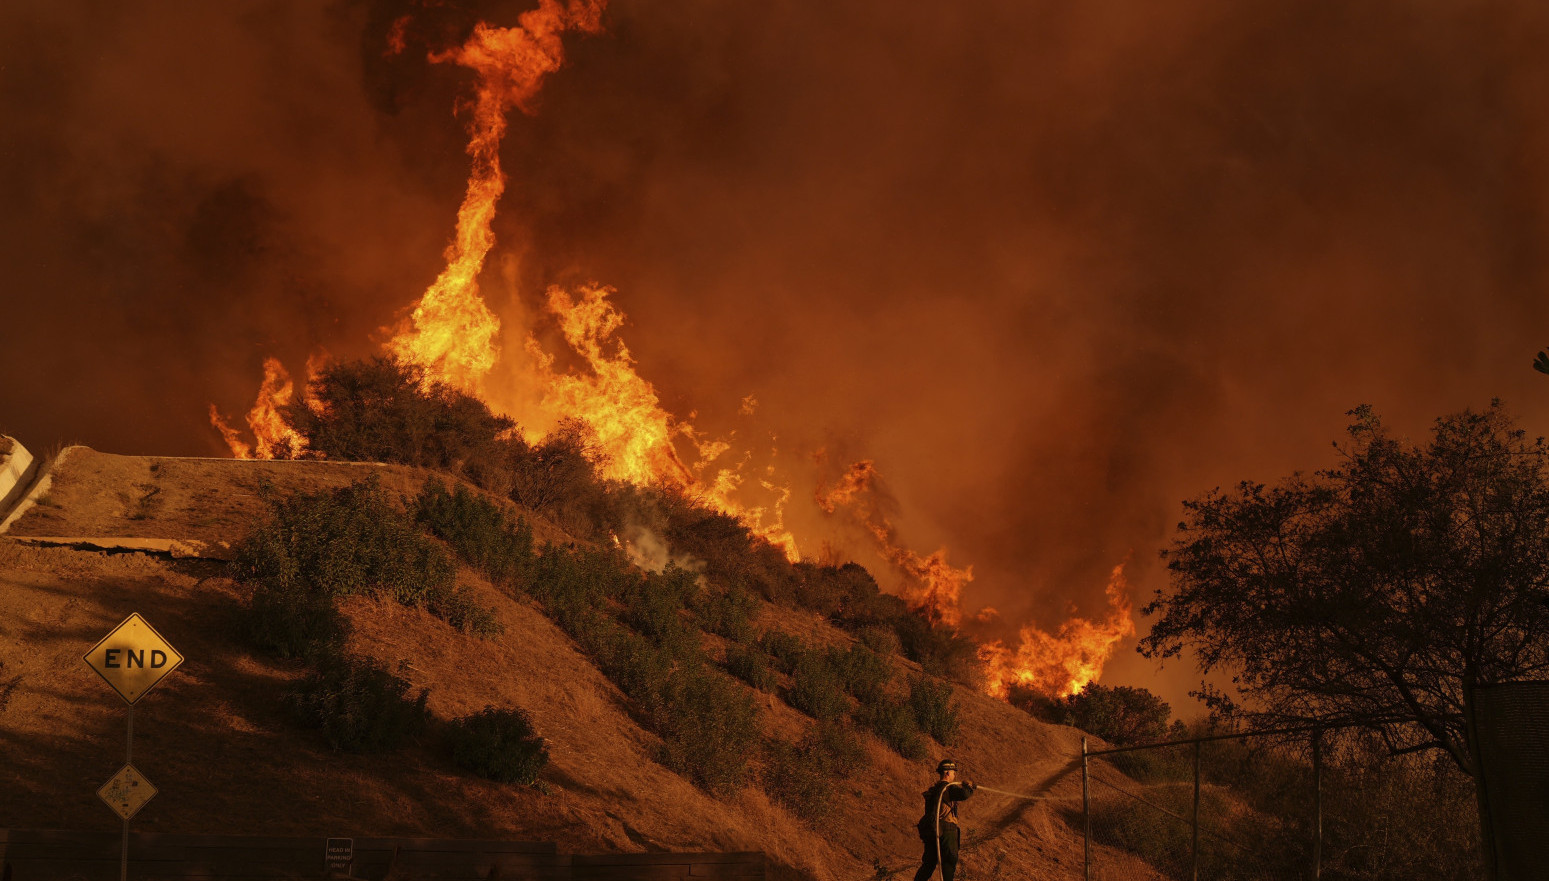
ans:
(1383, 593)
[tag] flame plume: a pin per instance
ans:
(632, 430)
(271, 435)
(452, 333)
(933, 584)
(1062, 663)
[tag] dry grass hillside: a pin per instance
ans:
(217, 740)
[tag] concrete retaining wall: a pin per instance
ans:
(14, 465)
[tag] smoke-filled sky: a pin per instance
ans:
(1055, 267)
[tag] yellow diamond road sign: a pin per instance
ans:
(133, 658)
(127, 792)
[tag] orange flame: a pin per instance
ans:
(932, 584)
(271, 435)
(633, 433)
(1065, 662)
(452, 333)
(636, 439)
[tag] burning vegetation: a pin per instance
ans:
(450, 364)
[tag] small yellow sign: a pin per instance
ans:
(127, 792)
(133, 658)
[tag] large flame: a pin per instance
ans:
(272, 437)
(633, 433)
(635, 437)
(452, 333)
(931, 583)
(454, 336)
(1062, 663)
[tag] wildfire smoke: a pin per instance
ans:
(454, 336)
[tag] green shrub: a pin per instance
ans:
(709, 729)
(318, 547)
(862, 671)
(934, 710)
(572, 582)
(786, 649)
(294, 621)
(654, 603)
(1120, 714)
(344, 542)
(498, 745)
(816, 688)
(359, 706)
(882, 640)
(840, 751)
(637, 665)
(479, 532)
(894, 724)
(727, 613)
(793, 779)
(802, 775)
(751, 666)
(457, 607)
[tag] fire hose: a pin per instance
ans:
(1020, 795)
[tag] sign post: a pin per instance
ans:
(339, 855)
(132, 659)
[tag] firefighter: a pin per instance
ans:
(938, 828)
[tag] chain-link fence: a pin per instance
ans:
(1182, 808)
(1287, 805)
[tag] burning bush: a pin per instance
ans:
(359, 706)
(498, 745)
(383, 410)
(559, 477)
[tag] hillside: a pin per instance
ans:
(117, 534)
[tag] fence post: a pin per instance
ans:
(1194, 850)
(1086, 817)
(1317, 803)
